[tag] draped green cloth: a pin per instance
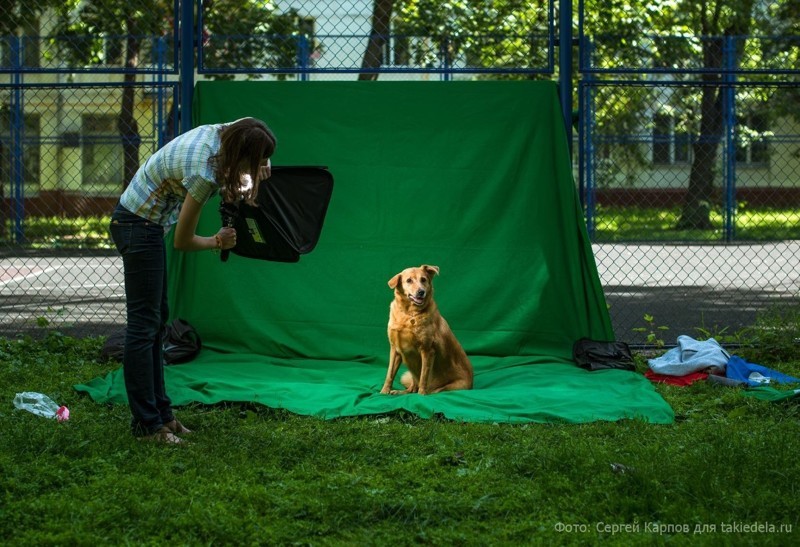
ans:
(473, 177)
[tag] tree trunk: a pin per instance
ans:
(126, 123)
(381, 22)
(696, 212)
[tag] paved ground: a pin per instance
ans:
(687, 288)
(683, 287)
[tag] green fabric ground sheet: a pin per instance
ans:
(473, 177)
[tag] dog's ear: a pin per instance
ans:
(432, 270)
(394, 281)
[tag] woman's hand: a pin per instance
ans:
(265, 171)
(187, 240)
(227, 236)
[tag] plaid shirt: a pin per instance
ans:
(159, 187)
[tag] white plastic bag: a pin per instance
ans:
(41, 405)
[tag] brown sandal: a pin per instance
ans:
(163, 435)
(178, 428)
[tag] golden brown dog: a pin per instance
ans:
(421, 338)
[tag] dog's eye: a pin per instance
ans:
(423, 279)
(409, 280)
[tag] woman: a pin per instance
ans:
(171, 188)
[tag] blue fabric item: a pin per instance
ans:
(690, 356)
(739, 369)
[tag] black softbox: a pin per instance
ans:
(287, 220)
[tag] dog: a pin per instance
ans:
(421, 338)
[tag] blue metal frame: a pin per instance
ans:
(159, 66)
(794, 41)
(18, 139)
(17, 123)
(729, 129)
(586, 67)
(729, 86)
(565, 65)
(303, 70)
(188, 55)
(187, 46)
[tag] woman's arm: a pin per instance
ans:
(185, 237)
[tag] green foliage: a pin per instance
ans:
(775, 337)
(499, 33)
(240, 33)
(653, 331)
(19, 14)
(97, 32)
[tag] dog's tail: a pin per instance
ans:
(406, 379)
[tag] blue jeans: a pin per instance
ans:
(144, 258)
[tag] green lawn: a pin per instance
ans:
(725, 473)
(613, 224)
(60, 233)
(623, 224)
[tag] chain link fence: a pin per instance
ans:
(367, 39)
(686, 142)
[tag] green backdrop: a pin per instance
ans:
(473, 177)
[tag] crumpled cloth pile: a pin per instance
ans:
(693, 360)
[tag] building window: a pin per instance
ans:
(102, 151)
(31, 149)
(401, 51)
(669, 145)
(113, 47)
(29, 44)
(752, 147)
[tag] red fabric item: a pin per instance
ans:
(685, 380)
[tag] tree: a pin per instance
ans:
(482, 33)
(238, 33)
(16, 17)
(652, 35)
(85, 26)
(715, 20)
(689, 34)
(378, 38)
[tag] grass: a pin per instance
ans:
(61, 233)
(613, 224)
(259, 476)
(621, 224)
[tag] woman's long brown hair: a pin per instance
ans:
(245, 144)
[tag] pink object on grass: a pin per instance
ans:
(62, 414)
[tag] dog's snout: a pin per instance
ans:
(420, 293)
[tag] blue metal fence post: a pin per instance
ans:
(586, 148)
(303, 56)
(446, 75)
(161, 56)
(565, 65)
(17, 126)
(729, 153)
(186, 69)
(589, 152)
